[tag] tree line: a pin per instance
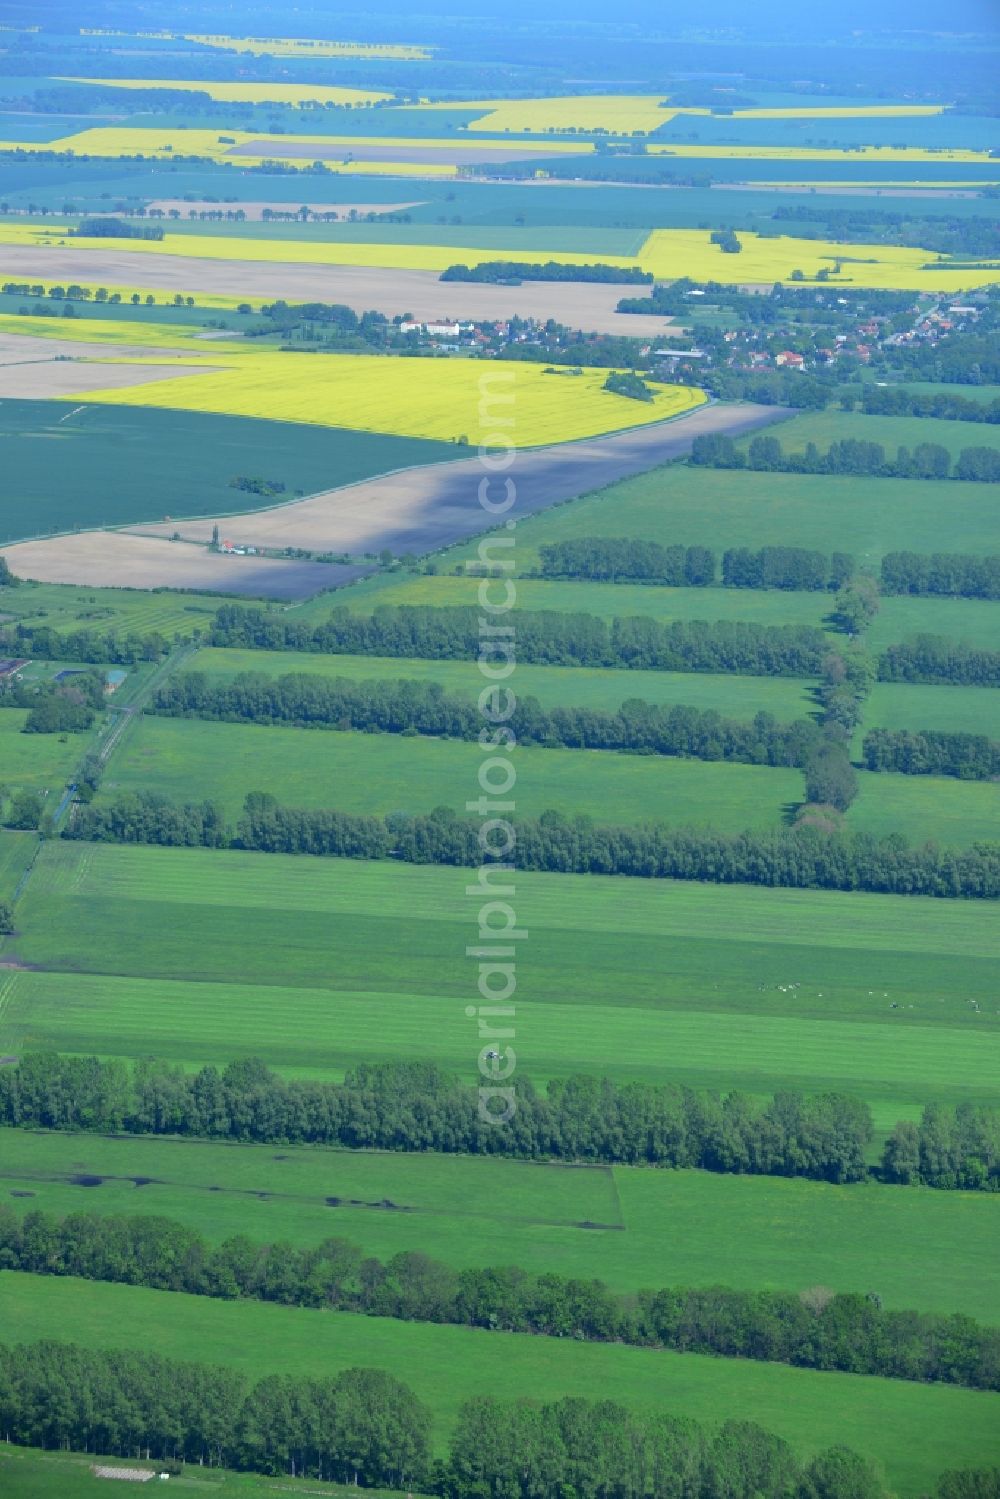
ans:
(854, 456)
(114, 228)
(947, 405)
(627, 559)
(43, 643)
(547, 270)
(948, 574)
(932, 752)
(367, 1428)
(812, 855)
(934, 659)
(409, 706)
(630, 559)
(417, 1106)
(814, 1329)
(953, 1149)
(364, 1426)
(544, 637)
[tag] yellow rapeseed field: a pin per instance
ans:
(295, 46)
(670, 253)
(666, 253)
(435, 398)
(247, 93)
(165, 143)
(194, 246)
(630, 114)
(619, 114)
(120, 332)
(68, 328)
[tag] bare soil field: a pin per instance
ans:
(23, 348)
(579, 304)
(40, 379)
(254, 212)
(102, 559)
(452, 156)
(420, 509)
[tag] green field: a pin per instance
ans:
(196, 956)
(28, 1473)
(721, 508)
(604, 599)
(119, 611)
(914, 1430)
(632, 1227)
(939, 808)
(553, 686)
(188, 759)
(39, 761)
(182, 463)
(959, 710)
(831, 425)
(16, 853)
(974, 621)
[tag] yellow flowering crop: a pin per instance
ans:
(434, 398)
(666, 253)
(670, 253)
(120, 331)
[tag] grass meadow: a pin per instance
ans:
(826, 427)
(604, 599)
(553, 686)
(317, 964)
(974, 621)
(632, 1227)
(914, 1431)
(912, 705)
(941, 808)
(31, 1473)
(723, 508)
(190, 759)
(16, 852)
(35, 761)
(116, 611)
